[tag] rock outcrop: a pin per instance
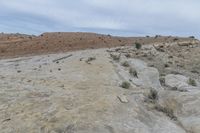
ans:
(82, 92)
(177, 82)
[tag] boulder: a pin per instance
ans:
(179, 82)
(147, 77)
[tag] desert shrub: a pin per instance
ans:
(192, 82)
(128, 55)
(125, 85)
(166, 65)
(115, 57)
(194, 71)
(109, 35)
(19, 71)
(125, 64)
(170, 56)
(162, 80)
(166, 110)
(156, 36)
(175, 39)
(117, 49)
(138, 45)
(91, 59)
(153, 95)
(133, 72)
(192, 37)
(3, 50)
(162, 74)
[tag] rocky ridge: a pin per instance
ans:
(150, 88)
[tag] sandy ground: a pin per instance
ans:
(77, 95)
(83, 93)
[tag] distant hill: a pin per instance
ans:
(13, 45)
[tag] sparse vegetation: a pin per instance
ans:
(3, 50)
(128, 55)
(138, 45)
(175, 39)
(170, 57)
(90, 59)
(166, 110)
(19, 71)
(192, 37)
(157, 36)
(153, 95)
(125, 64)
(174, 88)
(117, 49)
(166, 65)
(194, 71)
(109, 35)
(133, 72)
(125, 85)
(162, 74)
(115, 57)
(192, 82)
(162, 81)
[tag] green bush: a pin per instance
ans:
(192, 37)
(90, 59)
(115, 57)
(133, 72)
(192, 82)
(162, 80)
(169, 112)
(153, 95)
(138, 45)
(125, 64)
(125, 85)
(128, 55)
(175, 39)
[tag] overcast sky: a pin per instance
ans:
(117, 17)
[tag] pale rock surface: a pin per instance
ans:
(178, 81)
(148, 77)
(73, 96)
(186, 106)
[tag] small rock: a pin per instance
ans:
(123, 99)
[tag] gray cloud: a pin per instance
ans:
(127, 17)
